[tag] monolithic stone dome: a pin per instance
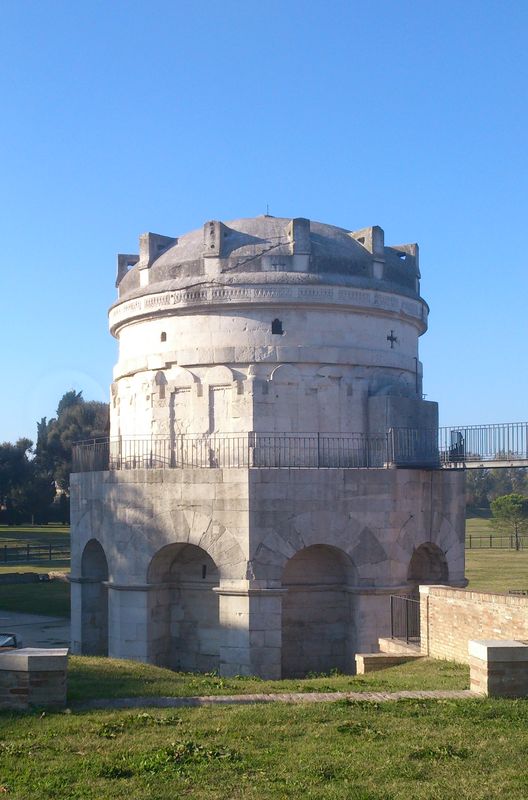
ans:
(270, 250)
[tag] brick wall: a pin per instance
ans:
(449, 618)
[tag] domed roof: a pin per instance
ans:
(272, 250)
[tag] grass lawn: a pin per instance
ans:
(90, 678)
(46, 597)
(497, 570)
(479, 525)
(57, 565)
(427, 750)
(14, 538)
(41, 534)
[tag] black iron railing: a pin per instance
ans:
(405, 618)
(467, 444)
(396, 447)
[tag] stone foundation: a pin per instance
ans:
(271, 572)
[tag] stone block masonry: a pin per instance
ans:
(33, 678)
(450, 617)
(242, 516)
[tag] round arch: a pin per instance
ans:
(318, 630)
(94, 600)
(428, 565)
(183, 629)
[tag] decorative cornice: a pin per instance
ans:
(170, 302)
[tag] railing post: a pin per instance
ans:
(390, 446)
(318, 450)
(407, 610)
(392, 615)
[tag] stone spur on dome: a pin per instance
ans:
(272, 473)
(313, 251)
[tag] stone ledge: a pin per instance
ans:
(491, 650)
(35, 659)
(498, 668)
(399, 647)
(371, 662)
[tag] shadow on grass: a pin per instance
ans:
(92, 678)
(51, 598)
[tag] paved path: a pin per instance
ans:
(287, 697)
(36, 630)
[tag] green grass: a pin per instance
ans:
(497, 570)
(46, 597)
(427, 750)
(90, 678)
(57, 565)
(41, 534)
(479, 525)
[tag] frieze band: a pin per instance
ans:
(236, 294)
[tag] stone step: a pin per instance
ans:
(370, 662)
(399, 646)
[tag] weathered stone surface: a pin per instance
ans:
(230, 560)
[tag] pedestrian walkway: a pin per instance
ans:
(285, 697)
(36, 630)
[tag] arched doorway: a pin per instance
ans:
(318, 631)
(184, 629)
(94, 600)
(428, 565)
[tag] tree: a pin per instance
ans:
(510, 514)
(478, 484)
(483, 485)
(76, 420)
(24, 490)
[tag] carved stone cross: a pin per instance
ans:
(392, 338)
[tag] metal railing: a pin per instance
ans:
(493, 541)
(473, 445)
(500, 443)
(397, 447)
(405, 618)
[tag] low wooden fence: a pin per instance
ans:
(24, 553)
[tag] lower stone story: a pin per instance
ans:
(268, 572)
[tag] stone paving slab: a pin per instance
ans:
(289, 697)
(36, 630)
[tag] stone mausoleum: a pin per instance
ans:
(272, 474)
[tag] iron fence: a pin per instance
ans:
(396, 447)
(405, 618)
(479, 443)
(495, 542)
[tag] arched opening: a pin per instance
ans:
(318, 632)
(184, 629)
(94, 600)
(427, 565)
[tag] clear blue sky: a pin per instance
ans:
(122, 117)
